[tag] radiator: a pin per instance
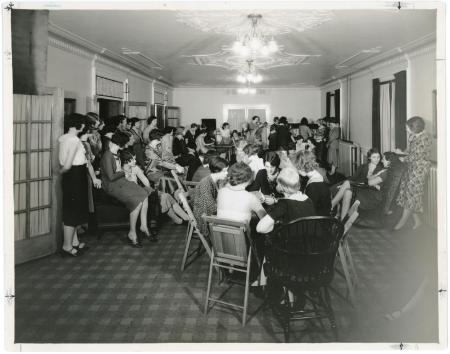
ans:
(348, 157)
(430, 198)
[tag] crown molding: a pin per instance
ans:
(59, 43)
(420, 46)
(300, 88)
(78, 45)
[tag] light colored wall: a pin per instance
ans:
(71, 73)
(71, 68)
(421, 81)
(294, 103)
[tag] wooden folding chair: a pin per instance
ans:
(229, 251)
(192, 232)
(184, 186)
(345, 255)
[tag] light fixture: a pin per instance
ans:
(249, 75)
(246, 90)
(254, 42)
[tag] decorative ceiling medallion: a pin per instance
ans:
(273, 22)
(225, 59)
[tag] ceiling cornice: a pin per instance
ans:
(417, 47)
(63, 39)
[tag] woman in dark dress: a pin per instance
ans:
(265, 180)
(316, 188)
(115, 184)
(284, 138)
(294, 205)
(184, 155)
(366, 183)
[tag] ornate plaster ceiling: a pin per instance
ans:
(272, 22)
(193, 48)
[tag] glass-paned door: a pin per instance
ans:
(236, 118)
(32, 122)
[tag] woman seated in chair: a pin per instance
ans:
(252, 159)
(316, 188)
(156, 163)
(165, 202)
(294, 205)
(205, 194)
(185, 156)
(233, 201)
(115, 184)
(366, 184)
(266, 179)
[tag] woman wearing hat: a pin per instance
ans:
(156, 163)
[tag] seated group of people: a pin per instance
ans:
(128, 164)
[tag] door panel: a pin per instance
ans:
(32, 176)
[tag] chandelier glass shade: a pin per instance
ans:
(250, 75)
(254, 43)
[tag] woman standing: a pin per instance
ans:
(413, 181)
(333, 142)
(73, 161)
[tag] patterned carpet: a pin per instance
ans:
(118, 294)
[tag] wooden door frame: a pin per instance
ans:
(43, 248)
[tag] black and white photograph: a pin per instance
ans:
(223, 175)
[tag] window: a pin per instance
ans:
(238, 115)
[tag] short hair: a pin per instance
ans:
(126, 156)
(392, 157)
(74, 120)
(304, 121)
(193, 125)
(120, 138)
(91, 120)
(132, 121)
(276, 119)
(225, 124)
(251, 149)
(155, 134)
(305, 161)
(283, 120)
(217, 164)
(416, 124)
(179, 130)
(151, 119)
(254, 117)
(272, 158)
(168, 130)
(239, 173)
(373, 151)
(288, 180)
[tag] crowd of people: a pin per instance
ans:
(277, 172)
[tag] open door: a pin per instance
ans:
(35, 194)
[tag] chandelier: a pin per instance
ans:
(246, 90)
(250, 75)
(254, 43)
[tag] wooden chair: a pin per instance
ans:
(192, 232)
(184, 186)
(229, 251)
(300, 257)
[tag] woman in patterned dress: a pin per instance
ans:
(413, 181)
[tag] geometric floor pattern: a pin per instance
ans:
(118, 294)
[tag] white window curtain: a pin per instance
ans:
(387, 116)
(332, 108)
(236, 118)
